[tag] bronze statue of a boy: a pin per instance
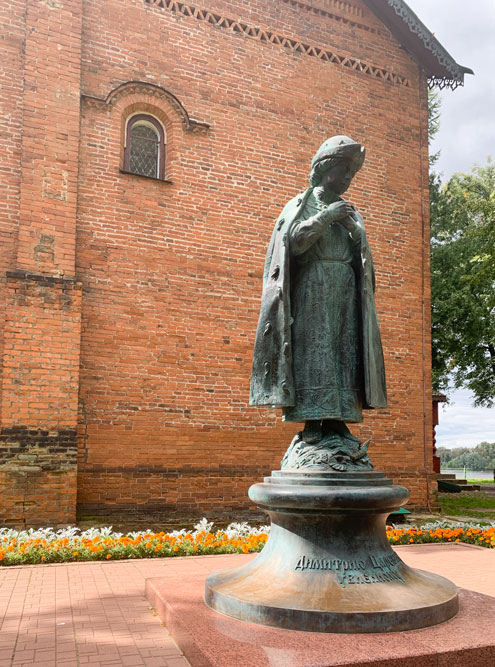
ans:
(328, 566)
(318, 352)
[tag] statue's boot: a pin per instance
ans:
(339, 428)
(312, 431)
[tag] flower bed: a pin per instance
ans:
(67, 545)
(48, 546)
(431, 533)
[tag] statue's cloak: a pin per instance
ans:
(272, 381)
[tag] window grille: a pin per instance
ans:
(144, 152)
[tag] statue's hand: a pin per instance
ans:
(338, 211)
(350, 223)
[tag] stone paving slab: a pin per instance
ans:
(467, 565)
(96, 613)
(91, 614)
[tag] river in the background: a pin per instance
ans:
(468, 474)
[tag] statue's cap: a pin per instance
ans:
(340, 147)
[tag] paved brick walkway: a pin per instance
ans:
(82, 614)
(96, 613)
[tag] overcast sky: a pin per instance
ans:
(466, 137)
(467, 128)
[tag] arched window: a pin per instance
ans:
(144, 152)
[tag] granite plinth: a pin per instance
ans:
(328, 566)
(210, 639)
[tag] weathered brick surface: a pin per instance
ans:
(37, 476)
(11, 65)
(42, 317)
(41, 351)
(171, 271)
(38, 440)
(50, 137)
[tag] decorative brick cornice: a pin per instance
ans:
(339, 5)
(146, 90)
(268, 37)
(344, 7)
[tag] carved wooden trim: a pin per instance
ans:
(433, 45)
(268, 37)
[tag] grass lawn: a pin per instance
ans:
(481, 481)
(480, 506)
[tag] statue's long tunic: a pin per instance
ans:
(326, 358)
(318, 351)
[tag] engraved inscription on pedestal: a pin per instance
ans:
(372, 570)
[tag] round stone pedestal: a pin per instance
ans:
(327, 565)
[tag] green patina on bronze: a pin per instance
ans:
(327, 565)
(318, 352)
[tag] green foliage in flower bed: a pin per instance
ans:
(68, 545)
(48, 546)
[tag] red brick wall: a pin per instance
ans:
(11, 65)
(41, 332)
(171, 271)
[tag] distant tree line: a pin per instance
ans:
(481, 457)
(462, 252)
